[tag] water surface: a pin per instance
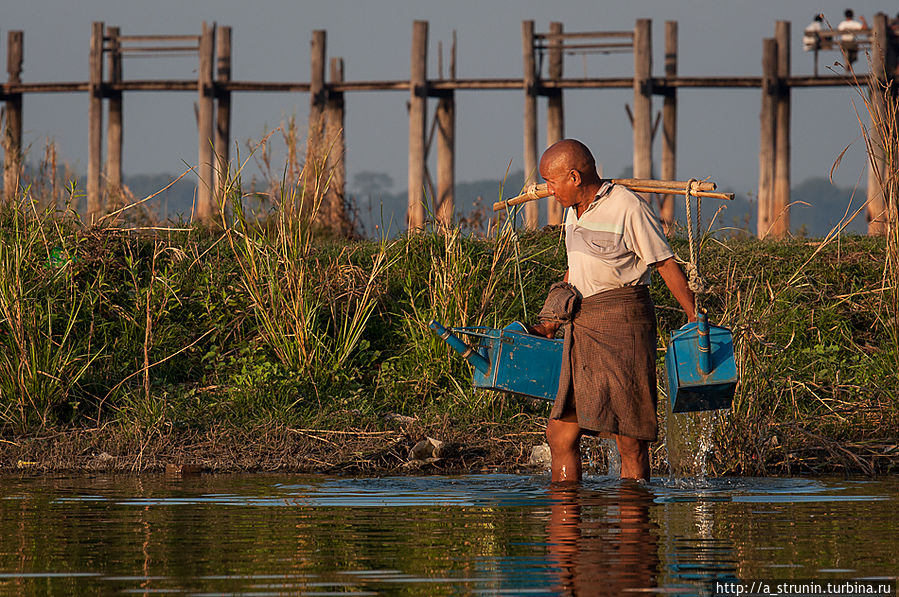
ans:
(480, 534)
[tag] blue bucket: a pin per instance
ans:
(702, 372)
(510, 359)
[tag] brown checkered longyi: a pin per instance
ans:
(609, 364)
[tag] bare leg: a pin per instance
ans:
(564, 439)
(634, 457)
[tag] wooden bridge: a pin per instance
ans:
(326, 139)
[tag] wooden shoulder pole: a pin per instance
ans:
(555, 115)
(876, 214)
(780, 214)
(531, 212)
(669, 124)
(335, 145)
(767, 120)
(222, 110)
(12, 134)
(643, 99)
(95, 123)
(205, 124)
(418, 104)
(315, 152)
(446, 148)
(114, 197)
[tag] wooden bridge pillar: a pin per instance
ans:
(318, 97)
(877, 215)
(418, 106)
(780, 205)
(222, 111)
(206, 125)
(532, 209)
(768, 120)
(335, 163)
(12, 132)
(643, 99)
(446, 148)
(114, 197)
(95, 123)
(669, 124)
(555, 114)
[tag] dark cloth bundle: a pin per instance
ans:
(561, 303)
(609, 364)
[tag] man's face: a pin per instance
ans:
(561, 184)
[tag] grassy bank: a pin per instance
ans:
(273, 346)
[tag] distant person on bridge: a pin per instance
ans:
(608, 380)
(849, 39)
(811, 38)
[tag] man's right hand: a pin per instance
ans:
(546, 328)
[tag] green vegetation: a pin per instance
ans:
(260, 327)
(197, 328)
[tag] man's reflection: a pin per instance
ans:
(603, 542)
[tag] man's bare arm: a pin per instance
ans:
(547, 329)
(676, 281)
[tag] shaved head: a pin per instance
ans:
(569, 154)
(570, 173)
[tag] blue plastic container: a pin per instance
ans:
(702, 372)
(510, 359)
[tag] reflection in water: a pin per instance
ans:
(603, 543)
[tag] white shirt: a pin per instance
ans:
(614, 242)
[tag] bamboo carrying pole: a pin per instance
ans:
(555, 116)
(12, 133)
(532, 212)
(767, 120)
(638, 185)
(222, 110)
(780, 212)
(114, 197)
(95, 122)
(669, 124)
(876, 214)
(418, 104)
(205, 124)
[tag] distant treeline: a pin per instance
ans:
(818, 206)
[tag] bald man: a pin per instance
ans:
(613, 239)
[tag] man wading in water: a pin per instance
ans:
(608, 380)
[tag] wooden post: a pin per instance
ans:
(418, 105)
(335, 145)
(669, 124)
(766, 136)
(555, 115)
(780, 213)
(876, 214)
(114, 197)
(643, 99)
(532, 209)
(446, 148)
(222, 111)
(206, 124)
(95, 123)
(12, 133)
(318, 99)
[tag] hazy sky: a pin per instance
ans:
(718, 129)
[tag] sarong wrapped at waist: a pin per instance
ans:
(609, 364)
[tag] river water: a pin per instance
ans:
(468, 535)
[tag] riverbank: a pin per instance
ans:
(270, 347)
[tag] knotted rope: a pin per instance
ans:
(695, 281)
